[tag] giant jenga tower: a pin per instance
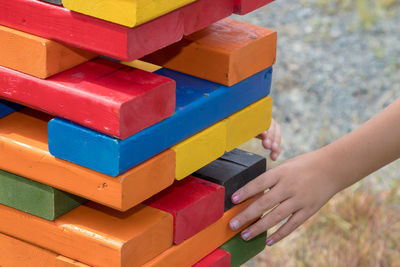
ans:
(119, 123)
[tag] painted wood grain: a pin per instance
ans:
(200, 104)
(226, 52)
(194, 204)
(233, 171)
(16, 253)
(35, 198)
(105, 38)
(200, 245)
(38, 56)
(242, 251)
(203, 13)
(217, 258)
(243, 7)
(24, 151)
(96, 235)
(248, 123)
(101, 94)
(200, 149)
(128, 13)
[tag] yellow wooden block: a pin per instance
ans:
(248, 123)
(129, 13)
(138, 64)
(199, 150)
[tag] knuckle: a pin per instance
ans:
(258, 227)
(259, 206)
(278, 216)
(278, 235)
(293, 224)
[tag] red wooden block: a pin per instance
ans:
(194, 203)
(203, 13)
(218, 258)
(102, 95)
(105, 38)
(242, 7)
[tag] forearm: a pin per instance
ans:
(365, 150)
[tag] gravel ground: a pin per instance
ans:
(336, 68)
(332, 72)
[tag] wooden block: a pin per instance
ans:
(242, 251)
(199, 104)
(202, 244)
(200, 149)
(105, 38)
(66, 262)
(233, 170)
(139, 64)
(226, 52)
(195, 16)
(24, 151)
(248, 123)
(242, 7)
(17, 253)
(96, 235)
(37, 56)
(217, 258)
(35, 198)
(102, 95)
(203, 13)
(129, 13)
(7, 108)
(194, 203)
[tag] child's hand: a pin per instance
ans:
(298, 188)
(271, 139)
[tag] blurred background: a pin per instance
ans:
(338, 65)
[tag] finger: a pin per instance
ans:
(258, 185)
(276, 143)
(278, 214)
(257, 208)
(263, 135)
(297, 219)
(267, 141)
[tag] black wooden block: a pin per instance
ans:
(233, 170)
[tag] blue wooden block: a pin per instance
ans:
(8, 108)
(199, 104)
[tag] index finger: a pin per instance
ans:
(258, 185)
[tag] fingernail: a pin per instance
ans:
(268, 143)
(270, 242)
(275, 146)
(235, 198)
(246, 235)
(234, 225)
(274, 155)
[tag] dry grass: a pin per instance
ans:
(359, 227)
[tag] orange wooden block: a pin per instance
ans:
(17, 253)
(226, 52)
(202, 244)
(24, 151)
(96, 235)
(37, 56)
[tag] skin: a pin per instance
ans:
(299, 187)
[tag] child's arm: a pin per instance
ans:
(301, 186)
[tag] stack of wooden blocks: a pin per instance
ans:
(107, 105)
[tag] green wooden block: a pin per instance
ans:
(35, 198)
(241, 251)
